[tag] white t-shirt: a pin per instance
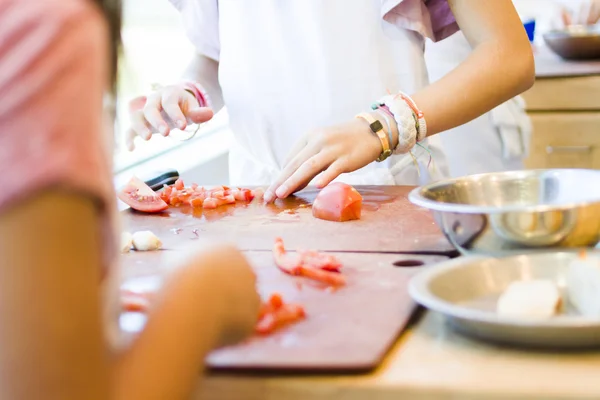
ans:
(287, 67)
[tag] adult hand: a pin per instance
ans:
(587, 12)
(171, 107)
(331, 151)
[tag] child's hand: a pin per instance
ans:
(334, 150)
(171, 107)
(234, 282)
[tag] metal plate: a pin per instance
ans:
(465, 290)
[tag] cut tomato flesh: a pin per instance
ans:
(275, 314)
(139, 196)
(338, 202)
(311, 265)
(210, 203)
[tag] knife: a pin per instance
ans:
(161, 178)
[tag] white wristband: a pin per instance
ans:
(405, 120)
(422, 124)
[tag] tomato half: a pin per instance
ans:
(137, 195)
(337, 202)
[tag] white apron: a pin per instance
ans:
(496, 141)
(287, 67)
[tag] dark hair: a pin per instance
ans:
(112, 11)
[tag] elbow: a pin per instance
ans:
(524, 70)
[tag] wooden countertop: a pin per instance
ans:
(550, 65)
(430, 361)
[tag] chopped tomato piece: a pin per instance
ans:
(139, 196)
(194, 186)
(316, 266)
(283, 316)
(337, 202)
(243, 194)
(210, 203)
(275, 314)
(179, 184)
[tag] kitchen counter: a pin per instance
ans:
(549, 65)
(428, 361)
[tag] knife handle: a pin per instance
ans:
(167, 177)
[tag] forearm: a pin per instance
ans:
(166, 360)
(205, 71)
(500, 67)
(475, 87)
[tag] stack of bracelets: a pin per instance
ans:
(408, 124)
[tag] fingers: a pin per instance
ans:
(335, 169)
(303, 174)
(199, 115)
(152, 112)
(298, 146)
(171, 107)
(304, 154)
(139, 127)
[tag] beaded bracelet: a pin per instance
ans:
(199, 93)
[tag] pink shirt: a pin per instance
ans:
(53, 73)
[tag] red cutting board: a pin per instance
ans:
(350, 329)
(389, 223)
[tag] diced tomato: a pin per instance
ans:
(242, 194)
(210, 203)
(179, 184)
(219, 194)
(312, 265)
(276, 300)
(228, 199)
(337, 202)
(194, 186)
(137, 195)
(184, 195)
(283, 316)
(196, 201)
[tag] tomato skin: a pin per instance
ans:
(337, 202)
(137, 195)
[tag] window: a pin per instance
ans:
(155, 50)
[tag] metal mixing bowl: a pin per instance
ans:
(577, 42)
(515, 212)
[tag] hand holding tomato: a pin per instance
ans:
(330, 151)
(171, 107)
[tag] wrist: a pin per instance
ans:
(378, 137)
(198, 92)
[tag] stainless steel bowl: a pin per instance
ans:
(465, 290)
(514, 212)
(577, 42)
